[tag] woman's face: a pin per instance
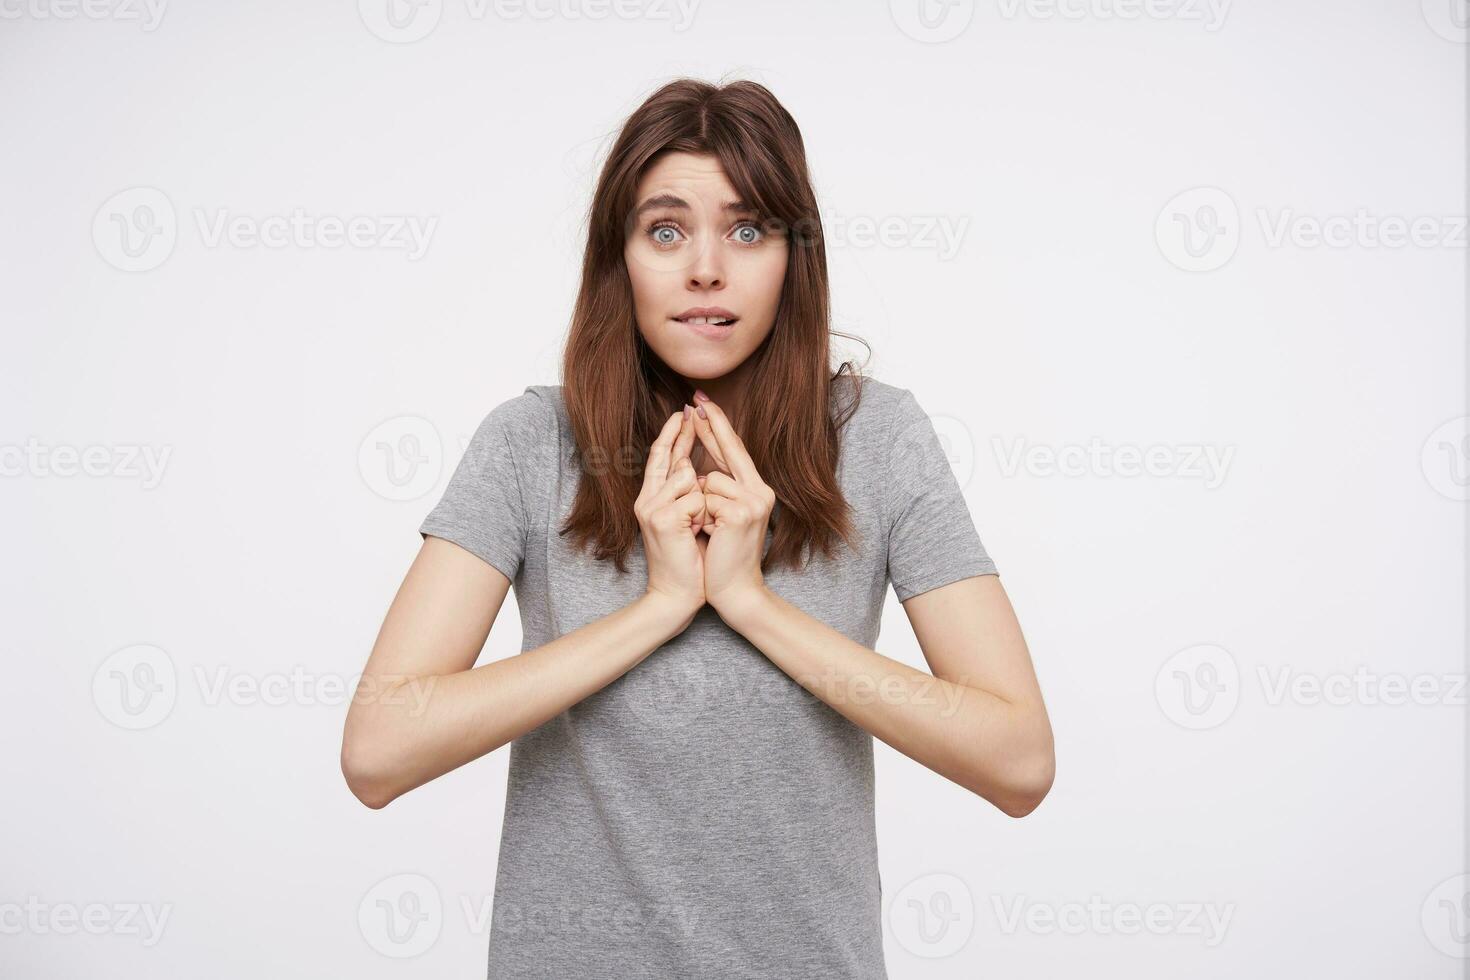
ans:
(693, 246)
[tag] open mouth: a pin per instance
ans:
(715, 321)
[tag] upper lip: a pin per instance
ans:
(718, 311)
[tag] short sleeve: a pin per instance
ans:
(483, 509)
(932, 539)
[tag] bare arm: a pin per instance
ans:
(421, 710)
(979, 720)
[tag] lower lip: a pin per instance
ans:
(711, 330)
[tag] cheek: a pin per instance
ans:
(768, 275)
(645, 281)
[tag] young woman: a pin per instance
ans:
(701, 523)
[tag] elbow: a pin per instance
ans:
(1026, 796)
(1031, 783)
(365, 777)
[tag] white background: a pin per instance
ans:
(264, 547)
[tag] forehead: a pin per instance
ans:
(698, 174)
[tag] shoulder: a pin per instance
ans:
(526, 426)
(881, 409)
(527, 418)
(909, 448)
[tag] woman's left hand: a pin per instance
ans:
(739, 505)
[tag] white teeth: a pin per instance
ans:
(706, 319)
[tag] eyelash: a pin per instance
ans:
(666, 223)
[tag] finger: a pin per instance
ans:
(710, 443)
(715, 505)
(690, 504)
(681, 480)
(723, 484)
(703, 517)
(657, 469)
(679, 453)
(742, 467)
(684, 441)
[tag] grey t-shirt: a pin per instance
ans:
(703, 815)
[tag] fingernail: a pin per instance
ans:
(702, 413)
(686, 413)
(700, 396)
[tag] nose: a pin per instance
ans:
(707, 269)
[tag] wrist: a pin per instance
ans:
(671, 611)
(739, 606)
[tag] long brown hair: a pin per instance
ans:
(618, 393)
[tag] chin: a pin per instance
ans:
(698, 366)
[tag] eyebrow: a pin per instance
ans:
(674, 202)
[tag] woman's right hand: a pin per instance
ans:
(667, 509)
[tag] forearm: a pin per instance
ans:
(994, 748)
(419, 728)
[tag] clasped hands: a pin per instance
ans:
(704, 536)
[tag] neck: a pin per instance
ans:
(727, 391)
